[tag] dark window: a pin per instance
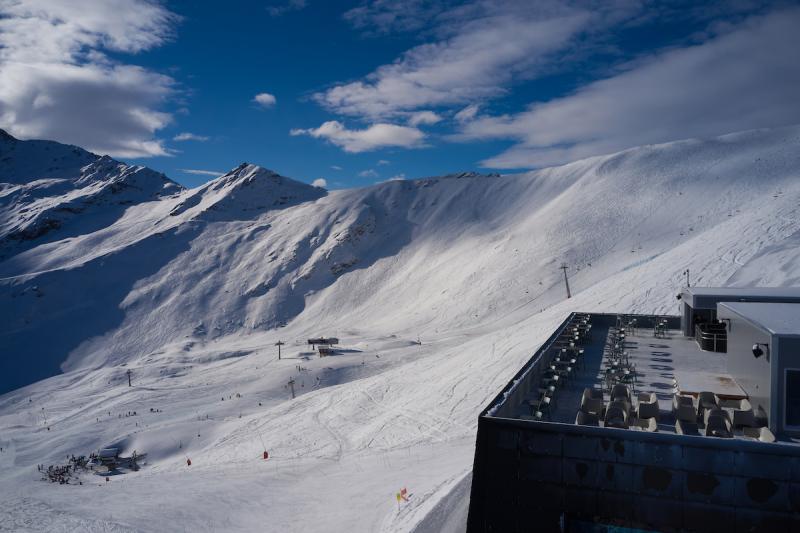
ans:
(793, 397)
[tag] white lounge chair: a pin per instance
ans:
(647, 405)
(684, 408)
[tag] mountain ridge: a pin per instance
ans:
(285, 242)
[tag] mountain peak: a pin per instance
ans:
(248, 188)
(5, 136)
(250, 171)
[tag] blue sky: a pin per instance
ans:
(360, 92)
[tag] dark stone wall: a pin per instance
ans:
(534, 476)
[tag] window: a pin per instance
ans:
(793, 397)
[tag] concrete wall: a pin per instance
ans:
(753, 375)
(788, 352)
(687, 319)
(528, 476)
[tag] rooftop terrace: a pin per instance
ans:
(631, 424)
(594, 365)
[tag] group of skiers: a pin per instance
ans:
(63, 473)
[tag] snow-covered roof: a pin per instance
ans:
(755, 294)
(778, 318)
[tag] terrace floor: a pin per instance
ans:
(664, 365)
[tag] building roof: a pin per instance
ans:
(777, 318)
(755, 294)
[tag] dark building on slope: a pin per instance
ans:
(626, 422)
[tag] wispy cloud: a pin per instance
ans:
(382, 162)
(397, 177)
(369, 173)
(57, 81)
(467, 114)
(265, 99)
(472, 58)
(186, 136)
(336, 167)
(423, 117)
(386, 16)
(281, 9)
(745, 78)
(201, 172)
(363, 140)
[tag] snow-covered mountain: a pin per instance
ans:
(44, 185)
(439, 289)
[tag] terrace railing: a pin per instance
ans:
(711, 337)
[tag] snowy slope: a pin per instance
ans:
(45, 185)
(191, 292)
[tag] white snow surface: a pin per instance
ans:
(50, 191)
(190, 291)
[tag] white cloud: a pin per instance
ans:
(201, 172)
(467, 114)
(382, 162)
(186, 136)
(384, 16)
(746, 78)
(369, 173)
(57, 82)
(282, 9)
(423, 117)
(264, 99)
(397, 177)
(481, 47)
(320, 182)
(336, 167)
(375, 136)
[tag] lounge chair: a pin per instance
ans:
(621, 392)
(762, 434)
(715, 412)
(587, 419)
(684, 408)
(645, 424)
(592, 402)
(589, 393)
(740, 410)
(616, 415)
(593, 406)
(647, 405)
(684, 427)
(719, 426)
(706, 401)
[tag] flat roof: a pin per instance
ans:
(732, 294)
(664, 363)
(791, 292)
(777, 318)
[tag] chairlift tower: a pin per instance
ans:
(129, 377)
(291, 386)
(279, 344)
(566, 281)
